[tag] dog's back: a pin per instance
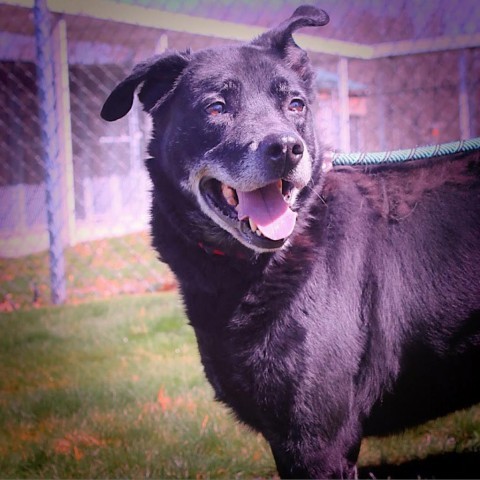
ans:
(414, 239)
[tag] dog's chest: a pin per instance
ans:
(252, 349)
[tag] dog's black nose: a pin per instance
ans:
(282, 151)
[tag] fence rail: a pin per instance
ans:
(389, 75)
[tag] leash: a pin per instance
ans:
(415, 153)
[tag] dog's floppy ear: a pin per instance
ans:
(158, 75)
(280, 39)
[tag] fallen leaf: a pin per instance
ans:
(204, 423)
(163, 400)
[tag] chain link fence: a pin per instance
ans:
(74, 195)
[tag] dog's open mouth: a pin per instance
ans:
(262, 217)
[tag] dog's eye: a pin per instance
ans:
(215, 108)
(296, 105)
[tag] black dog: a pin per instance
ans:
(327, 306)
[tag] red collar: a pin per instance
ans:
(220, 253)
(210, 250)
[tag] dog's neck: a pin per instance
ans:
(215, 274)
(181, 243)
(212, 281)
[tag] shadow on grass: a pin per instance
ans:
(447, 465)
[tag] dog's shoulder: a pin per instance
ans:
(393, 191)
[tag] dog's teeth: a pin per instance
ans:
(227, 191)
(229, 195)
(253, 225)
(259, 233)
(279, 185)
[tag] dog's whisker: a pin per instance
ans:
(322, 199)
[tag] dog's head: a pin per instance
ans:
(233, 128)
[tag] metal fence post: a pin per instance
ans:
(50, 154)
(344, 105)
(464, 114)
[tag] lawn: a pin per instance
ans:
(101, 268)
(114, 389)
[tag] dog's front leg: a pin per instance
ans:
(307, 459)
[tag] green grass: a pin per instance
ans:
(115, 389)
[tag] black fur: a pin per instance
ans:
(366, 320)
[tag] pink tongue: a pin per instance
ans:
(269, 210)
